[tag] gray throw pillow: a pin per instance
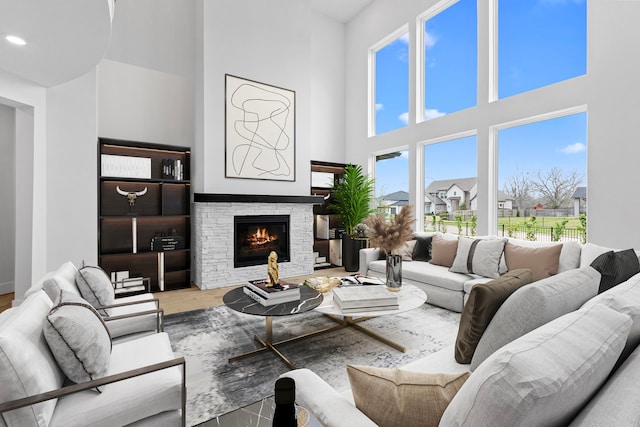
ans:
(78, 338)
(478, 256)
(545, 377)
(96, 287)
(534, 305)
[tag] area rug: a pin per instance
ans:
(208, 337)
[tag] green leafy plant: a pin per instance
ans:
(351, 197)
(582, 228)
(530, 228)
(558, 230)
(474, 225)
(512, 229)
(459, 224)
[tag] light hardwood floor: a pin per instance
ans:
(193, 298)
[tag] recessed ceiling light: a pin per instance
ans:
(16, 40)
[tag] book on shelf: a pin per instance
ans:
(283, 290)
(267, 302)
(352, 297)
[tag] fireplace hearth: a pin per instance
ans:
(255, 236)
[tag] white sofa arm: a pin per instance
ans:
(366, 256)
(324, 402)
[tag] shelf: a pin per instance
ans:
(124, 240)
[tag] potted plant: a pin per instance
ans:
(351, 201)
(389, 236)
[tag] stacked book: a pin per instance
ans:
(167, 243)
(272, 295)
(355, 299)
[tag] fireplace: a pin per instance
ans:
(255, 236)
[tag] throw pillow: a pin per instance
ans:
(483, 303)
(443, 251)
(616, 267)
(422, 249)
(406, 250)
(394, 397)
(543, 261)
(535, 305)
(545, 377)
(478, 256)
(78, 338)
(96, 287)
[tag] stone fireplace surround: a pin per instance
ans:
(212, 236)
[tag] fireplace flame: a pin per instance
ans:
(261, 237)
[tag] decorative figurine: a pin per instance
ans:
(131, 196)
(272, 269)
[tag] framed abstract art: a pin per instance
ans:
(260, 129)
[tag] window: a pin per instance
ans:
(541, 166)
(450, 170)
(540, 42)
(450, 49)
(392, 181)
(390, 63)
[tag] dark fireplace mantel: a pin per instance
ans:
(255, 198)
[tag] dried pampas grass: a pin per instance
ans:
(389, 236)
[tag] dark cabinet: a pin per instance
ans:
(144, 222)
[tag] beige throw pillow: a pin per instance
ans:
(543, 261)
(443, 251)
(406, 250)
(394, 397)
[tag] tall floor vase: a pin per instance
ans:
(394, 272)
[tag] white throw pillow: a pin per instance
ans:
(545, 377)
(478, 256)
(78, 338)
(96, 287)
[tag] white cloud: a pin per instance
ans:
(379, 107)
(404, 118)
(429, 40)
(578, 147)
(432, 113)
(404, 38)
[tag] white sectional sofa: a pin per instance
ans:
(558, 351)
(450, 290)
(555, 353)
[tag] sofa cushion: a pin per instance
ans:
(484, 301)
(616, 267)
(96, 287)
(136, 398)
(78, 338)
(424, 272)
(618, 401)
(624, 298)
(130, 327)
(443, 250)
(395, 397)
(542, 261)
(27, 366)
(422, 249)
(569, 254)
(63, 278)
(590, 252)
(546, 376)
(406, 250)
(534, 305)
(478, 256)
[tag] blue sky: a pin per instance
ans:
(540, 42)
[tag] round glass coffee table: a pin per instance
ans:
(236, 300)
(409, 297)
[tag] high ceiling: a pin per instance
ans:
(54, 53)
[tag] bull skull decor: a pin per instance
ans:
(131, 195)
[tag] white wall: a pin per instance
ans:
(268, 42)
(327, 89)
(8, 195)
(72, 173)
(29, 101)
(610, 91)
